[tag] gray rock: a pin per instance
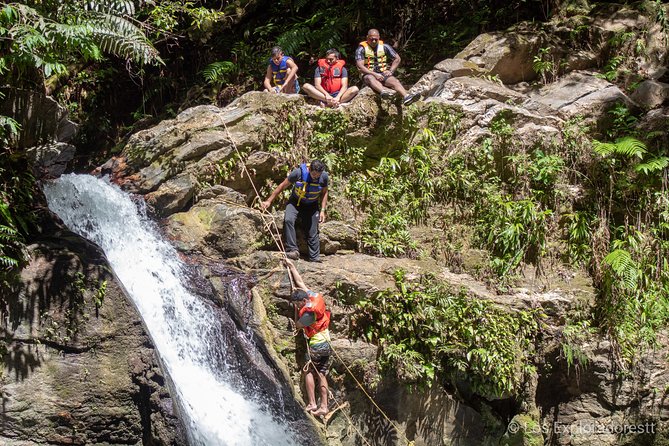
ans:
(582, 94)
(216, 227)
(505, 54)
(172, 195)
(473, 92)
(225, 193)
(42, 119)
(458, 67)
(336, 231)
(651, 94)
(76, 373)
(50, 160)
(201, 143)
(430, 83)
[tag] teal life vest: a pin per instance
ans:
(304, 191)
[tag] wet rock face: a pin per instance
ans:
(79, 368)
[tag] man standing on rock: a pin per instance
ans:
(373, 60)
(308, 201)
(314, 319)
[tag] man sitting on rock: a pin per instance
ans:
(314, 319)
(372, 59)
(310, 185)
(331, 81)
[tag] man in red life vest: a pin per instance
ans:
(331, 81)
(314, 319)
(281, 74)
(377, 62)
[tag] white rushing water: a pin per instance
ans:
(181, 325)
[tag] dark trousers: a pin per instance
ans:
(309, 216)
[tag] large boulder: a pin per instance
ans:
(50, 160)
(431, 82)
(651, 94)
(80, 367)
(581, 401)
(217, 227)
(507, 55)
(582, 93)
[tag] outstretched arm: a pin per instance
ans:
(266, 204)
(299, 283)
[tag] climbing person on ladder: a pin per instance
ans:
(314, 319)
(308, 201)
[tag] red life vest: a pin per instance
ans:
(331, 74)
(316, 305)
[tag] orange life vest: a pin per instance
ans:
(331, 74)
(316, 305)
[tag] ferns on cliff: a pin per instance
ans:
(45, 37)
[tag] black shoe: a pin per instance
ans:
(293, 255)
(410, 98)
(315, 260)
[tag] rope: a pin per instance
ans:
(268, 222)
(392, 423)
(273, 229)
(305, 369)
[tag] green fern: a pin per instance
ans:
(294, 39)
(622, 264)
(47, 39)
(653, 165)
(117, 7)
(629, 147)
(218, 72)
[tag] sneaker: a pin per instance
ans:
(410, 98)
(387, 94)
(293, 255)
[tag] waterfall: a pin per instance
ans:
(187, 334)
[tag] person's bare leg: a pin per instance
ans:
(349, 94)
(323, 386)
(311, 391)
(313, 93)
(373, 83)
(395, 84)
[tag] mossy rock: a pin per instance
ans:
(523, 430)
